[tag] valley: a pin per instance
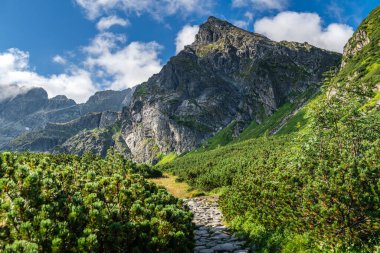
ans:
(239, 144)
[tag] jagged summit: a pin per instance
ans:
(215, 29)
(36, 93)
(214, 21)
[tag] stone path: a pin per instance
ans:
(211, 236)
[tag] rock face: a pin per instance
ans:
(32, 112)
(357, 42)
(97, 142)
(226, 74)
(107, 101)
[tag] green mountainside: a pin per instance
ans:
(311, 184)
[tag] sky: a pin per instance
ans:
(77, 47)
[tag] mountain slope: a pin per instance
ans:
(358, 80)
(226, 75)
(313, 185)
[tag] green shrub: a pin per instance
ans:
(85, 204)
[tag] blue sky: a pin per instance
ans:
(75, 47)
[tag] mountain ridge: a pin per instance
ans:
(32, 110)
(227, 74)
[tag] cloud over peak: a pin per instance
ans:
(107, 63)
(304, 27)
(125, 66)
(16, 75)
(185, 36)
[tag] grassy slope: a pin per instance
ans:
(208, 170)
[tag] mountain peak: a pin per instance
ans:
(213, 30)
(215, 20)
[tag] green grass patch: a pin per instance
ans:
(222, 138)
(167, 158)
(255, 130)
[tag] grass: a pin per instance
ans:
(177, 189)
(222, 138)
(295, 123)
(255, 130)
(167, 158)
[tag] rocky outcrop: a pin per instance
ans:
(108, 100)
(357, 42)
(96, 141)
(226, 75)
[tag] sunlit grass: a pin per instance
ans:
(177, 189)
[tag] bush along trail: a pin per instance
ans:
(210, 234)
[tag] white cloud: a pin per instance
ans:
(185, 37)
(126, 66)
(157, 8)
(16, 76)
(244, 24)
(261, 4)
(107, 22)
(108, 64)
(10, 91)
(304, 27)
(59, 59)
(104, 42)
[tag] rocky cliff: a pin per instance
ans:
(226, 75)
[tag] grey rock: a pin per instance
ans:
(225, 247)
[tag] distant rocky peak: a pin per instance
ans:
(35, 93)
(59, 97)
(60, 101)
